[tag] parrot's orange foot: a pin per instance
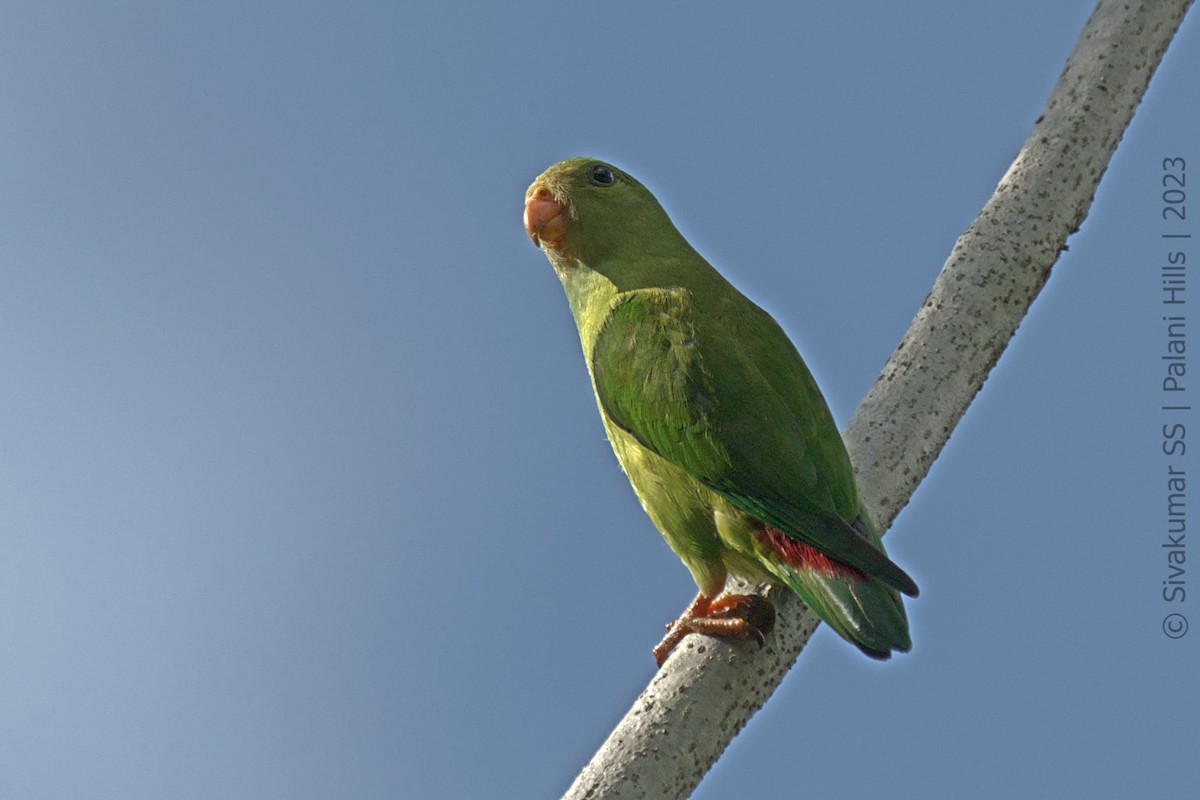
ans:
(734, 616)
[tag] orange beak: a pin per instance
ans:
(545, 218)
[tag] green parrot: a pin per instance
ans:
(714, 417)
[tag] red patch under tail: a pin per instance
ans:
(801, 556)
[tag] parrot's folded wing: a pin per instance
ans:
(717, 389)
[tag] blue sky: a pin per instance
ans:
(304, 490)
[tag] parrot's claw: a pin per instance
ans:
(733, 616)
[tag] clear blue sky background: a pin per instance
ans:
(303, 493)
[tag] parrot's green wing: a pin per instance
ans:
(714, 386)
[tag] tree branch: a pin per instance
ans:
(709, 688)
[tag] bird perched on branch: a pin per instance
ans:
(714, 417)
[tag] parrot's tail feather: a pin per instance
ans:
(865, 612)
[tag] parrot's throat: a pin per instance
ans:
(590, 295)
(801, 556)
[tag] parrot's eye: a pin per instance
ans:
(600, 175)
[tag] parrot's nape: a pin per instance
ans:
(714, 417)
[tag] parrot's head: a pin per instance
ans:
(585, 210)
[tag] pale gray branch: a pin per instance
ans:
(709, 688)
